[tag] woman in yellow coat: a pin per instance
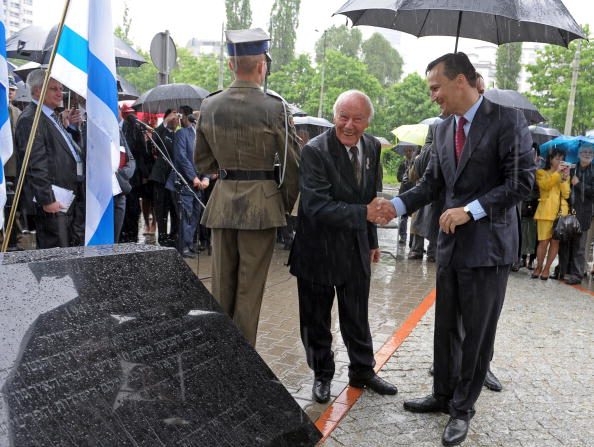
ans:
(553, 183)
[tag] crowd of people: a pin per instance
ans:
(470, 190)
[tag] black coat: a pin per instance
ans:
(161, 168)
(51, 161)
(332, 225)
(497, 168)
(582, 196)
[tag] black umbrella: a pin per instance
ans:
(511, 98)
(497, 21)
(402, 146)
(541, 135)
(35, 43)
(170, 96)
(126, 90)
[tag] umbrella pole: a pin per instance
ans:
(38, 110)
(458, 31)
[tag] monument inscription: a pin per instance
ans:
(124, 346)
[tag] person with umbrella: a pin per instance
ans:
(483, 163)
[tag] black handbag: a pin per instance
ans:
(566, 227)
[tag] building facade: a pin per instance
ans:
(19, 14)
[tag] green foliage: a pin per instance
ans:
(508, 65)
(239, 14)
(340, 38)
(551, 82)
(284, 19)
(294, 82)
(390, 163)
(382, 60)
(407, 102)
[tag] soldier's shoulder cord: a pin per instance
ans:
(216, 92)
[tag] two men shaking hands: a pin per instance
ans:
(381, 211)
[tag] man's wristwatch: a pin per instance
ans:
(467, 211)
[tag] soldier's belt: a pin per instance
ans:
(236, 174)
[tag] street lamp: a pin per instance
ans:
(321, 105)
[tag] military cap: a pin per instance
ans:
(247, 42)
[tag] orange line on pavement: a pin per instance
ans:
(338, 409)
(581, 289)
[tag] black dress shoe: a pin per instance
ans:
(415, 255)
(492, 382)
(455, 432)
(427, 404)
(572, 280)
(321, 390)
(188, 254)
(375, 383)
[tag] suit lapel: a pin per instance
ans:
(448, 164)
(57, 135)
(479, 125)
(342, 162)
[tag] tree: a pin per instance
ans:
(284, 19)
(382, 60)
(340, 38)
(123, 32)
(550, 80)
(407, 102)
(239, 14)
(143, 77)
(294, 82)
(508, 65)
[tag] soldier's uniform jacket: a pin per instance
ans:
(242, 128)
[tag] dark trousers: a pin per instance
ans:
(164, 207)
(417, 243)
(191, 211)
(576, 262)
(315, 306)
(402, 227)
(130, 228)
(119, 211)
(467, 309)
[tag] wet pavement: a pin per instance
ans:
(544, 357)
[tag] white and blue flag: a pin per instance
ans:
(5, 131)
(85, 63)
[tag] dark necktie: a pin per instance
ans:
(356, 165)
(460, 137)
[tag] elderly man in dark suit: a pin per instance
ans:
(56, 162)
(482, 162)
(335, 244)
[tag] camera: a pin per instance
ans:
(566, 164)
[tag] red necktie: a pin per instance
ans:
(460, 137)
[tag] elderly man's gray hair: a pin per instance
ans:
(35, 80)
(348, 93)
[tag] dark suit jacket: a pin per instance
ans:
(582, 196)
(51, 162)
(497, 168)
(332, 227)
(161, 168)
(183, 159)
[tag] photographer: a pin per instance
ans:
(582, 192)
(553, 183)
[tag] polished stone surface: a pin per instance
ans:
(124, 346)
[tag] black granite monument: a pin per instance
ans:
(124, 346)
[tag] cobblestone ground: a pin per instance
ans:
(543, 357)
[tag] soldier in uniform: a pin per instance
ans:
(241, 132)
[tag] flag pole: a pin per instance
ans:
(21, 181)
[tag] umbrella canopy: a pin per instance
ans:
(541, 135)
(311, 121)
(126, 90)
(433, 120)
(511, 98)
(296, 111)
(35, 43)
(401, 147)
(499, 22)
(412, 133)
(170, 96)
(590, 133)
(570, 145)
(384, 142)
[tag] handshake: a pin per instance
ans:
(380, 211)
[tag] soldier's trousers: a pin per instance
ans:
(240, 263)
